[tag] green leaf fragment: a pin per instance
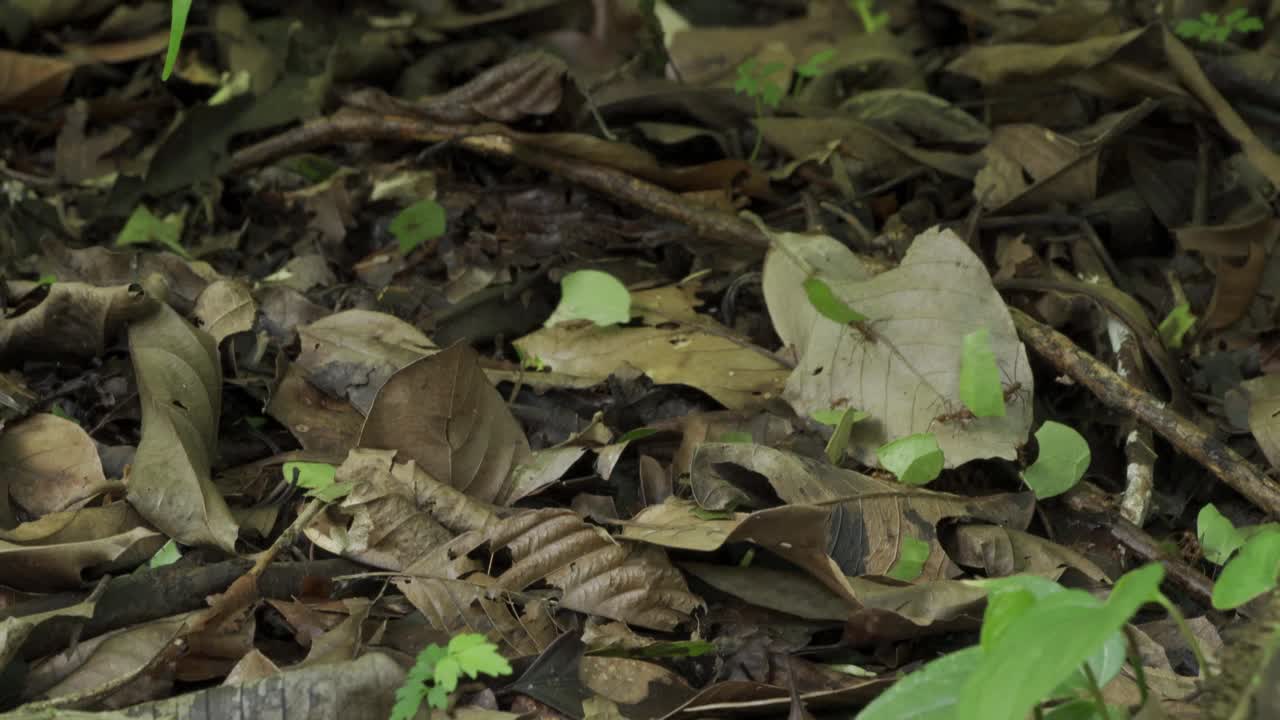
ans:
(417, 224)
(1176, 325)
(812, 67)
(144, 228)
(1064, 457)
(735, 436)
(930, 693)
(912, 555)
(168, 554)
(838, 443)
(592, 295)
(825, 301)
(1218, 536)
(1250, 573)
(981, 390)
(915, 459)
(179, 9)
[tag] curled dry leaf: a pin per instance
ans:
(61, 550)
(180, 389)
(443, 413)
(101, 266)
(52, 464)
(67, 320)
(902, 365)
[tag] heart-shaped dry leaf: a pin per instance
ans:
(442, 412)
(903, 364)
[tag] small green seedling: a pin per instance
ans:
(592, 295)
(177, 25)
(1176, 325)
(435, 674)
(1064, 457)
(872, 21)
(813, 68)
(318, 479)
(417, 224)
(143, 227)
(915, 459)
(912, 555)
(757, 80)
(981, 389)
(1218, 536)
(1215, 28)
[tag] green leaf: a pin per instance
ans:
(61, 412)
(812, 67)
(47, 279)
(930, 693)
(838, 443)
(772, 93)
(143, 227)
(1250, 573)
(309, 475)
(409, 698)
(477, 656)
(639, 433)
(1236, 16)
(735, 436)
(1176, 325)
(1188, 28)
(825, 301)
(915, 459)
(747, 83)
(980, 387)
(911, 558)
(1047, 643)
(417, 224)
(177, 25)
(1249, 24)
(592, 295)
(1064, 458)
(1218, 536)
(446, 675)
(168, 554)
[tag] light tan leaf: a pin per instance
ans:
(61, 550)
(52, 465)
(903, 365)
(224, 308)
(30, 82)
(351, 354)
(180, 388)
(68, 319)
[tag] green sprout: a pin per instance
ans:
(756, 80)
(1215, 28)
(872, 21)
(435, 674)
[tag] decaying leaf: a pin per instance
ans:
(52, 465)
(67, 320)
(351, 354)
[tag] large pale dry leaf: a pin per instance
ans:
(319, 421)
(224, 308)
(1264, 414)
(1001, 552)
(1012, 62)
(351, 354)
(865, 149)
(903, 366)
(1238, 255)
(872, 517)
(67, 320)
(180, 389)
(917, 115)
(443, 413)
(52, 465)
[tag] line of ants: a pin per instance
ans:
(964, 414)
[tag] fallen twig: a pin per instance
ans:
(1114, 391)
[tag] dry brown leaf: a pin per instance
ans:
(351, 354)
(442, 412)
(30, 82)
(61, 550)
(52, 465)
(67, 319)
(224, 308)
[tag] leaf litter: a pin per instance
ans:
(606, 331)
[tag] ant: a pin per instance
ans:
(964, 414)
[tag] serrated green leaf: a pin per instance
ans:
(1188, 28)
(915, 459)
(828, 304)
(912, 555)
(1218, 536)
(1176, 325)
(1249, 24)
(446, 674)
(144, 228)
(483, 660)
(437, 697)
(168, 554)
(1064, 457)
(1250, 573)
(409, 698)
(592, 295)
(772, 93)
(981, 389)
(812, 67)
(1236, 15)
(417, 224)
